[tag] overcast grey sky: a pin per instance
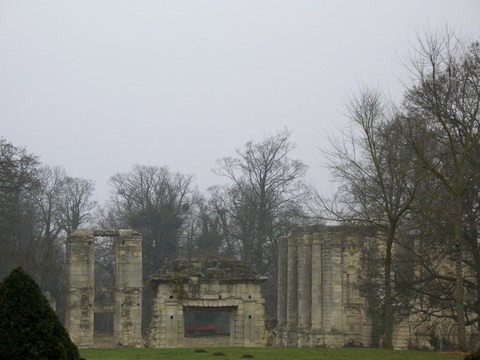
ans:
(99, 85)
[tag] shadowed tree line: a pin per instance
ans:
(39, 205)
(409, 170)
(29, 327)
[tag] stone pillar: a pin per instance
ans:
(239, 323)
(249, 323)
(401, 335)
(80, 287)
(128, 289)
(292, 308)
(366, 333)
(282, 291)
(153, 333)
(316, 332)
(337, 290)
(304, 288)
(327, 284)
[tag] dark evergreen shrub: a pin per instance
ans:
(473, 356)
(29, 328)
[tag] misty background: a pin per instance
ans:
(98, 86)
(114, 113)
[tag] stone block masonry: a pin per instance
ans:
(319, 304)
(317, 301)
(207, 285)
(127, 292)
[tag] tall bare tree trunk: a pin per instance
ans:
(388, 308)
(460, 293)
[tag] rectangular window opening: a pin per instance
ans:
(103, 323)
(207, 321)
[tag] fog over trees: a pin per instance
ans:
(378, 181)
(410, 171)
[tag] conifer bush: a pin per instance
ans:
(29, 328)
(473, 356)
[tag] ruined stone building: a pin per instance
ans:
(122, 302)
(216, 301)
(319, 272)
(317, 302)
(207, 301)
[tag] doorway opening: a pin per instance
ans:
(103, 329)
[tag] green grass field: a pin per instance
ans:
(270, 353)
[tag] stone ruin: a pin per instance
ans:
(215, 301)
(207, 301)
(85, 301)
(317, 302)
(319, 269)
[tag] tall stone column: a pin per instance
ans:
(304, 288)
(128, 289)
(292, 303)
(316, 332)
(282, 291)
(338, 287)
(327, 285)
(79, 313)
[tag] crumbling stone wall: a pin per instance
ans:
(318, 304)
(319, 269)
(207, 283)
(127, 293)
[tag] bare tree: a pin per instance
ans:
(53, 202)
(33, 199)
(48, 240)
(77, 206)
(263, 202)
(443, 109)
(155, 202)
(18, 179)
(206, 234)
(424, 271)
(472, 238)
(377, 181)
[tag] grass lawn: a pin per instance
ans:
(270, 353)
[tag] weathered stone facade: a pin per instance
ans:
(319, 269)
(82, 301)
(207, 284)
(318, 304)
